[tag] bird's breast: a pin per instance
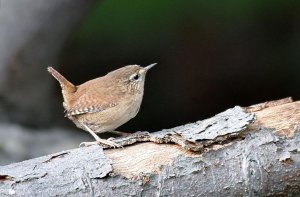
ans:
(111, 118)
(132, 105)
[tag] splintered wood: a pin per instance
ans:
(282, 115)
(143, 162)
(268, 104)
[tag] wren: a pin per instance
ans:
(105, 103)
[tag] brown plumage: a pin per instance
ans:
(105, 103)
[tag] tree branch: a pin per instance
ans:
(230, 154)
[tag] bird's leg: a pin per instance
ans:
(98, 140)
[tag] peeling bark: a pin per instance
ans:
(230, 154)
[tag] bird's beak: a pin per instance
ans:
(150, 66)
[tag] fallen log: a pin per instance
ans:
(251, 151)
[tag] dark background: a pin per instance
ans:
(211, 55)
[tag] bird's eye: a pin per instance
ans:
(135, 77)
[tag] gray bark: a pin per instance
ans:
(238, 158)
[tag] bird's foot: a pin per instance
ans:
(101, 141)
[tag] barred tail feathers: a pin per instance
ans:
(67, 87)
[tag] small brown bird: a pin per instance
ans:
(105, 103)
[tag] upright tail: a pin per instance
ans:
(67, 87)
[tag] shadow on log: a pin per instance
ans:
(252, 151)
